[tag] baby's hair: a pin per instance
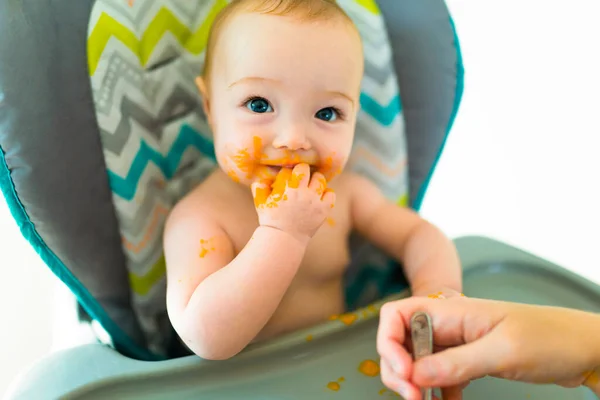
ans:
(303, 10)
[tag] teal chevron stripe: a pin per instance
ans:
(385, 115)
(126, 187)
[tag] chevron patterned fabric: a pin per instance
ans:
(143, 58)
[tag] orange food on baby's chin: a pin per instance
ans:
(328, 168)
(233, 176)
(243, 161)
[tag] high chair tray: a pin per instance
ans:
(330, 361)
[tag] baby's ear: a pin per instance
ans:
(201, 84)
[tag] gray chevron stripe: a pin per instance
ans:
(115, 142)
(379, 74)
(125, 12)
(140, 263)
(394, 185)
(379, 146)
(179, 100)
(391, 189)
(372, 37)
(153, 194)
(122, 68)
(187, 178)
(190, 12)
(200, 12)
(144, 7)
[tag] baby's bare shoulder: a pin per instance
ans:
(200, 204)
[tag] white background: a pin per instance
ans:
(521, 164)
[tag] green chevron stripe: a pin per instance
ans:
(164, 21)
(141, 284)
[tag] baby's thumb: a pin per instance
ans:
(460, 364)
(260, 192)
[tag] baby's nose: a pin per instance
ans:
(292, 138)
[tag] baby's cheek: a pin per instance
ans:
(331, 166)
(241, 162)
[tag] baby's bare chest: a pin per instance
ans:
(327, 254)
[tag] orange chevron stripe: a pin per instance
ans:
(390, 171)
(158, 211)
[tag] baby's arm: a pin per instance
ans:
(218, 303)
(430, 260)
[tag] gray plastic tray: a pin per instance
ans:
(302, 365)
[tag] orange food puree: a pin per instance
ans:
(206, 246)
(333, 386)
(347, 319)
(369, 368)
(252, 163)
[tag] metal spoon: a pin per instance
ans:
(422, 340)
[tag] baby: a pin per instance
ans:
(249, 255)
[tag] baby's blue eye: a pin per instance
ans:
(259, 105)
(327, 114)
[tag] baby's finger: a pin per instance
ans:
(281, 182)
(391, 337)
(300, 176)
(261, 191)
(329, 198)
(392, 381)
(318, 183)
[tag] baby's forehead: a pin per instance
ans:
(250, 29)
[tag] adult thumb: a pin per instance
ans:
(460, 364)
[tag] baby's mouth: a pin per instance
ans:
(276, 168)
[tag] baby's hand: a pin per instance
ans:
(295, 203)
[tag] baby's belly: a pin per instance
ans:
(303, 306)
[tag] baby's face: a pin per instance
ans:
(284, 92)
